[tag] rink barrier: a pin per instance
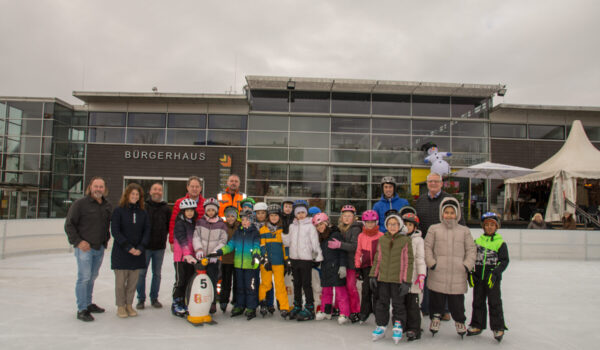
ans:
(33, 236)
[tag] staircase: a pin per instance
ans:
(583, 218)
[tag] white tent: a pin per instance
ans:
(577, 158)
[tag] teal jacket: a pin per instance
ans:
(245, 243)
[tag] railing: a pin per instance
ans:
(583, 216)
(32, 236)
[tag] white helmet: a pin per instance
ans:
(188, 203)
(260, 206)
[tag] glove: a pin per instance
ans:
(264, 260)
(189, 259)
(420, 281)
(342, 272)
(492, 280)
(199, 254)
(433, 267)
(256, 259)
(213, 260)
(334, 244)
(373, 283)
(470, 280)
(215, 254)
(287, 267)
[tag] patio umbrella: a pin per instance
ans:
(489, 170)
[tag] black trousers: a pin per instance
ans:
(368, 297)
(212, 270)
(247, 288)
(413, 313)
(395, 292)
(481, 292)
(228, 283)
(302, 277)
(456, 305)
(183, 274)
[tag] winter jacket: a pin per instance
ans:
(535, 226)
(449, 252)
(271, 244)
(366, 247)
(130, 227)
(394, 259)
(385, 204)
(160, 215)
(245, 243)
(303, 241)
(258, 225)
(210, 234)
(492, 257)
(199, 211)
(228, 199)
(286, 221)
(228, 258)
(420, 268)
(332, 260)
(350, 242)
(88, 220)
(428, 210)
(184, 235)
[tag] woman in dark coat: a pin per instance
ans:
(130, 227)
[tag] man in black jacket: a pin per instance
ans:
(87, 227)
(159, 214)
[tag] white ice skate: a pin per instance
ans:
(378, 333)
(397, 332)
(343, 320)
(322, 316)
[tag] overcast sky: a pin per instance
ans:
(546, 52)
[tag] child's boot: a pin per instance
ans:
(250, 314)
(307, 314)
(378, 333)
(397, 332)
(263, 308)
(295, 311)
(461, 329)
(178, 308)
(237, 311)
(434, 326)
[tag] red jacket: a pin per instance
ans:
(199, 210)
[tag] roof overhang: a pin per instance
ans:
(506, 106)
(36, 99)
(105, 97)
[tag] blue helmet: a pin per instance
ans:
(300, 203)
(313, 211)
(492, 216)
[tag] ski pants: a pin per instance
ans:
(247, 288)
(456, 304)
(266, 284)
(481, 292)
(396, 292)
(183, 274)
(368, 296)
(413, 313)
(341, 300)
(302, 274)
(212, 270)
(227, 280)
(353, 296)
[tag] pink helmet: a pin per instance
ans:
(370, 215)
(348, 207)
(319, 218)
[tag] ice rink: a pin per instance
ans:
(548, 305)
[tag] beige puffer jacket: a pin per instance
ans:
(419, 267)
(450, 248)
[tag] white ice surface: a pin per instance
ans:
(547, 305)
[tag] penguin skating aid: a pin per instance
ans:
(201, 296)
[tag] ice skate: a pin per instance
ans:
(322, 316)
(434, 326)
(263, 309)
(498, 335)
(461, 329)
(307, 314)
(178, 308)
(412, 335)
(271, 309)
(354, 317)
(250, 314)
(342, 320)
(397, 332)
(285, 314)
(473, 331)
(295, 311)
(237, 311)
(378, 333)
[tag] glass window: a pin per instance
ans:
(22, 162)
(469, 145)
(350, 156)
(308, 189)
(269, 100)
(14, 127)
(391, 143)
(266, 138)
(305, 139)
(468, 129)
(2, 110)
(360, 205)
(550, 132)
(77, 134)
(431, 106)
(469, 107)
(23, 145)
(350, 103)
(107, 119)
(443, 143)
(309, 155)
(196, 121)
(349, 190)
(79, 118)
(308, 172)
(186, 137)
(107, 135)
(350, 141)
(223, 121)
(509, 130)
(390, 157)
(31, 127)
(146, 136)
(226, 138)
(310, 101)
(403, 191)
(431, 127)
(18, 110)
(48, 127)
(147, 120)
(593, 132)
(267, 171)
(263, 122)
(267, 188)
(343, 174)
(13, 144)
(388, 104)
(257, 153)
(400, 174)
(309, 124)
(356, 125)
(391, 126)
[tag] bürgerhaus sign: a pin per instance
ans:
(164, 155)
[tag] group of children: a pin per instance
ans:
(255, 247)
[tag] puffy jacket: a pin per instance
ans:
(419, 268)
(366, 247)
(449, 249)
(184, 235)
(271, 244)
(228, 258)
(303, 241)
(160, 215)
(492, 257)
(385, 204)
(245, 243)
(428, 210)
(227, 199)
(332, 260)
(130, 228)
(350, 242)
(394, 259)
(199, 211)
(210, 234)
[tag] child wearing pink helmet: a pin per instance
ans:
(363, 260)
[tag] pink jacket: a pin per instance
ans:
(366, 247)
(183, 238)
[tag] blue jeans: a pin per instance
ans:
(88, 265)
(157, 260)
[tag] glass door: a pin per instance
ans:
(173, 187)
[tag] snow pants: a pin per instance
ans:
(227, 280)
(266, 277)
(183, 274)
(353, 296)
(395, 292)
(368, 296)
(413, 313)
(456, 304)
(302, 274)
(481, 292)
(246, 293)
(341, 300)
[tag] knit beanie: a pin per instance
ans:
(300, 209)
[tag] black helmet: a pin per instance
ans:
(274, 209)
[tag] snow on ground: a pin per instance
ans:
(547, 304)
